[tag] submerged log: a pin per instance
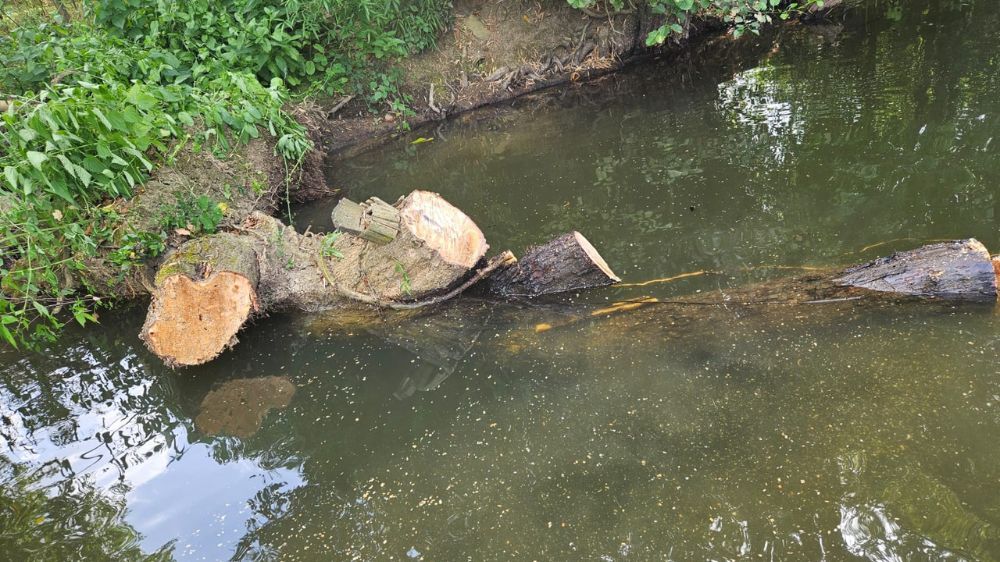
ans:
(567, 263)
(781, 300)
(709, 322)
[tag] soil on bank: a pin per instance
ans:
(501, 50)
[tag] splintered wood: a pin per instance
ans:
(374, 220)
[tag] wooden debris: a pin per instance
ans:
(566, 263)
(209, 287)
(374, 220)
(960, 269)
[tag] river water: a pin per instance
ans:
(717, 433)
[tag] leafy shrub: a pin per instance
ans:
(327, 42)
(93, 118)
(743, 15)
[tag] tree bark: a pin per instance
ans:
(961, 269)
(567, 263)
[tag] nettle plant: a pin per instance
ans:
(743, 15)
(92, 117)
(328, 46)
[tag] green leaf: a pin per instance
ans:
(10, 172)
(81, 315)
(5, 333)
(27, 135)
(139, 97)
(59, 188)
(36, 159)
(102, 118)
(67, 165)
(82, 174)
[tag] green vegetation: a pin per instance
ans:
(328, 249)
(743, 15)
(92, 102)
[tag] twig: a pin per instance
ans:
(609, 15)
(669, 279)
(430, 100)
(340, 105)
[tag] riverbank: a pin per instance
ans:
(497, 52)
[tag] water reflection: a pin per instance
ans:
(238, 407)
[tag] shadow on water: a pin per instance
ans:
(824, 433)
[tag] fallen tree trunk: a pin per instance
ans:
(210, 287)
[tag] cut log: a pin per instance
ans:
(566, 263)
(960, 269)
(436, 246)
(203, 294)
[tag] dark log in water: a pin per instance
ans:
(961, 269)
(567, 263)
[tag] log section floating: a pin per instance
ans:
(960, 269)
(566, 263)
